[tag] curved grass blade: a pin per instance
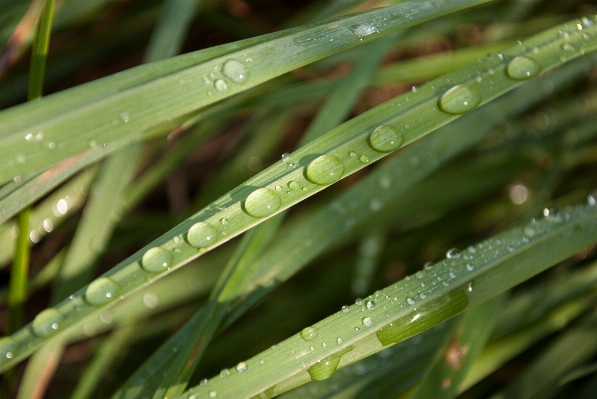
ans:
(142, 97)
(258, 198)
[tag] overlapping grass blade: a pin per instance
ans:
(98, 113)
(172, 249)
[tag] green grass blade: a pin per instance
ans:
(107, 109)
(172, 250)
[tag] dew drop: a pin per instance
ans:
(364, 159)
(224, 373)
(221, 85)
(326, 169)
(428, 265)
(452, 275)
(358, 301)
(262, 202)
(235, 71)
(224, 221)
(552, 213)
(364, 30)
(592, 199)
(213, 394)
(470, 267)
(202, 234)
(47, 323)
(452, 253)
(370, 305)
(285, 157)
(293, 185)
(7, 348)
(156, 260)
(422, 296)
(522, 68)
(410, 301)
(367, 322)
(345, 309)
(101, 291)
(241, 367)
(460, 99)
(352, 154)
(386, 138)
(308, 333)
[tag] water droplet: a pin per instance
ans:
(339, 341)
(367, 322)
(420, 274)
(47, 323)
(224, 373)
(592, 199)
(326, 169)
(345, 309)
(422, 295)
(352, 154)
(92, 143)
(125, 117)
(224, 221)
(552, 213)
(470, 267)
(364, 30)
(241, 367)
(101, 291)
(452, 253)
(221, 85)
(156, 260)
(567, 47)
(460, 99)
(262, 202)
(364, 159)
(358, 301)
(293, 185)
(452, 274)
(370, 305)
(285, 157)
(410, 301)
(386, 138)
(213, 394)
(521, 68)
(428, 265)
(202, 234)
(7, 348)
(308, 333)
(235, 70)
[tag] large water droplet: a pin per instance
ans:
(47, 323)
(308, 333)
(235, 70)
(459, 99)
(7, 348)
(201, 235)
(101, 291)
(326, 169)
(262, 202)
(370, 305)
(156, 260)
(521, 68)
(386, 138)
(364, 30)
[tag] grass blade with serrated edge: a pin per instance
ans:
(110, 108)
(498, 264)
(171, 250)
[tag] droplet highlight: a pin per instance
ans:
(326, 169)
(47, 323)
(7, 348)
(460, 99)
(101, 291)
(386, 138)
(522, 68)
(156, 260)
(262, 202)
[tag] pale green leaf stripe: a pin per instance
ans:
(142, 97)
(408, 110)
(405, 309)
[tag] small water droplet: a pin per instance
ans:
(367, 322)
(125, 117)
(101, 291)
(203, 381)
(47, 323)
(428, 265)
(293, 185)
(262, 202)
(221, 85)
(156, 260)
(339, 341)
(92, 143)
(522, 68)
(386, 138)
(224, 373)
(364, 159)
(370, 305)
(235, 71)
(422, 295)
(326, 169)
(308, 333)
(592, 199)
(552, 213)
(285, 157)
(567, 47)
(470, 267)
(410, 301)
(352, 154)
(7, 348)
(345, 309)
(364, 30)
(452, 274)
(358, 301)
(420, 274)
(224, 221)
(460, 99)
(202, 234)
(241, 367)
(452, 253)
(213, 394)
